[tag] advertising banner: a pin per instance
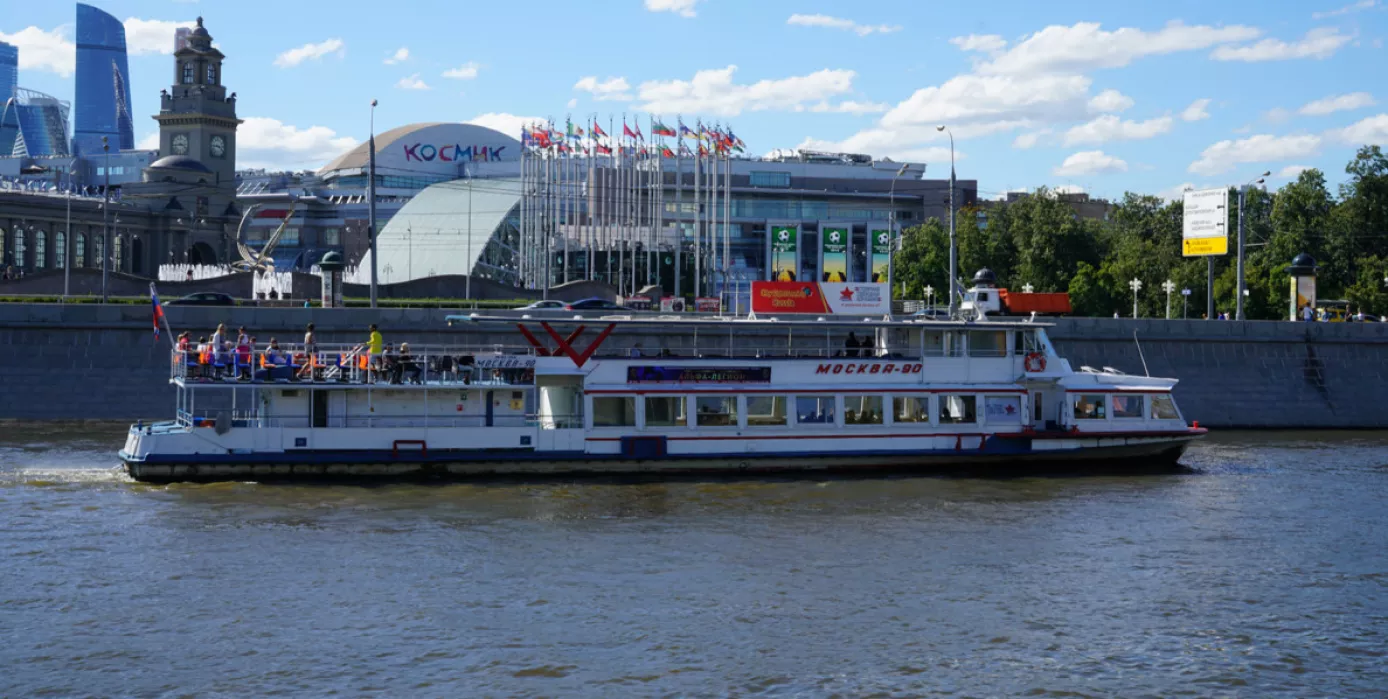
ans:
(685, 374)
(880, 244)
(1203, 230)
(820, 297)
(638, 303)
(672, 304)
(1303, 295)
(833, 253)
(785, 253)
(708, 304)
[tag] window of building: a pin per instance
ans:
(614, 411)
(988, 343)
(811, 410)
(98, 249)
(862, 410)
(1002, 410)
(212, 74)
(79, 253)
(119, 251)
(1127, 406)
(1089, 407)
(332, 236)
(958, 410)
(716, 411)
(188, 73)
(40, 250)
(911, 408)
(60, 250)
(290, 237)
(666, 411)
(3, 240)
(1163, 408)
(766, 411)
(19, 247)
(770, 179)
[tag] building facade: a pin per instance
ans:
(102, 92)
(39, 122)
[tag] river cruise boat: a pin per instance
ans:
(658, 395)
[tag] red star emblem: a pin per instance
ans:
(846, 294)
(1010, 409)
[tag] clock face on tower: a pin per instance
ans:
(180, 144)
(218, 146)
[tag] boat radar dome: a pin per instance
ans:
(985, 278)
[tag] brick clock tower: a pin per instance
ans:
(197, 131)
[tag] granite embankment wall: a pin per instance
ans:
(100, 362)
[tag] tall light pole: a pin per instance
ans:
(953, 245)
(371, 201)
(930, 294)
(891, 223)
(1238, 313)
(1136, 286)
(105, 226)
(1168, 286)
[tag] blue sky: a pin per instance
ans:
(1101, 96)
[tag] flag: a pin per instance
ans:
(604, 150)
(597, 130)
(632, 134)
(666, 152)
(541, 138)
(659, 129)
(703, 152)
(575, 132)
(686, 132)
(158, 310)
(556, 135)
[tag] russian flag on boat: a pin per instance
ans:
(158, 310)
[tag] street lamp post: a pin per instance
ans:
(953, 245)
(1027, 288)
(371, 201)
(1185, 303)
(930, 295)
(1168, 286)
(891, 222)
(1238, 312)
(105, 226)
(1136, 286)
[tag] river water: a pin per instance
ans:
(1260, 571)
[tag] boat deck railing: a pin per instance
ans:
(249, 419)
(325, 363)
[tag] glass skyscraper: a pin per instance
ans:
(42, 123)
(103, 84)
(9, 80)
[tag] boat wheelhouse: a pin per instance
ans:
(622, 394)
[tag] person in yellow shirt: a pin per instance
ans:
(374, 346)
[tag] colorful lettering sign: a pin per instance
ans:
(785, 253)
(857, 368)
(428, 153)
(684, 374)
(820, 297)
(833, 258)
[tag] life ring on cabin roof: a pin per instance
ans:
(1035, 362)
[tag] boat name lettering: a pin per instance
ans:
(505, 362)
(709, 374)
(867, 368)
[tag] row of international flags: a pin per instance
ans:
(709, 140)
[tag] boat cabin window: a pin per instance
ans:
(811, 410)
(933, 343)
(862, 410)
(988, 343)
(716, 411)
(911, 409)
(1089, 406)
(1003, 410)
(665, 411)
(1163, 408)
(1030, 342)
(614, 411)
(957, 409)
(1129, 406)
(764, 411)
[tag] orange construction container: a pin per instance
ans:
(1017, 303)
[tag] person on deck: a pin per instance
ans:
(850, 346)
(407, 365)
(375, 344)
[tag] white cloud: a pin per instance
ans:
(262, 142)
(683, 8)
(852, 107)
(50, 51)
(841, 23)
(466, 71)
(1337, 103)
(1110, 101)
(1224, 155)
(1090, 162)
(1085, 46)
(509, 124)
(412, 82)
(978, 98)
(149, 141)
(313, 52)
(401, 55)
(572, 103)
(611, 89)
(1176, 193)
(714, 92)
(1318, 43)
(1196, 111)
(1293, 171)
(1030, 139)
(983, 43)
(1347, 9)
(1277, 115)
(1374, 129)
(151, 36)
(1067, 189)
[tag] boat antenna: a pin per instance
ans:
(1140, 355)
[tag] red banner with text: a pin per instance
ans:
(820, 297)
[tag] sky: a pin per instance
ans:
(1102, 97)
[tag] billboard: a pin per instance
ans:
(833, 253)
(1205, 232)
(820, 297)
(880, 259)
(785, 253)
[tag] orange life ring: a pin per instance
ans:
(1035, 362)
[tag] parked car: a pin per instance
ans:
(204, 298)
(549, 305)
(595, 304)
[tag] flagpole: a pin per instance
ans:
(679, 206)
(526, 142)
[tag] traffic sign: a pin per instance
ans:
(1204, 231)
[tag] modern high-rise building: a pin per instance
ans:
(42, 123)
(103, 84)
(9, 81)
